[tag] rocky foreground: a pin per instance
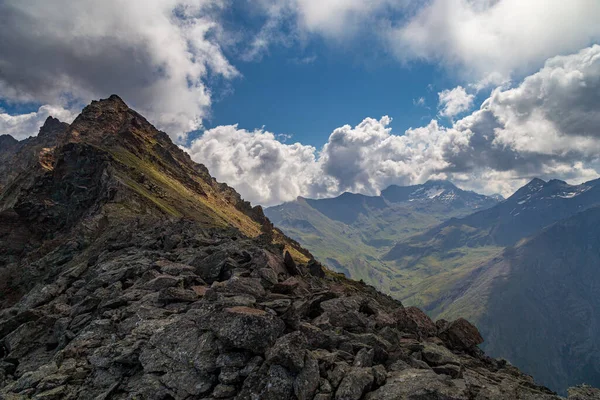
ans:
(109, 290)
(173, 312)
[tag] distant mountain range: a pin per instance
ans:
(519, 267)
(128, 272)
(352, 232)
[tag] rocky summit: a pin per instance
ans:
(127, 272)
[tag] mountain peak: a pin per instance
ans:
(108, 119)
(439, 182)
(536, 182)
(7, 140)
(52, 127)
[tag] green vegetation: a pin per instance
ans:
(356, 245)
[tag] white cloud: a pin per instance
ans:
(25, 125)
(455, 101)
(155, 54)
(491, 40)
(485, 42)
(548, 126)
(260, 167)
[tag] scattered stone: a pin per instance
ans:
(364, 358)
(288, 351)
(354, 384)
(436, 355)
(307, 381)
(290, 264)
(224, 391)
(460, 335)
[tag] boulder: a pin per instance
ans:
(288, 351)
(290, 264)
(418, 384)
(355, 384)
(437, 355)
(307, 381)
(316, 269)
(413, 320)
(247, 328)
(460, 335)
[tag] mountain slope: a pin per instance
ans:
(447, 254)
(531, 208)
(351, 232)
(486, 268)
(112, 165)
(540, 302)
(128, 272)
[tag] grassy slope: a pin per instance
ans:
(357, 249)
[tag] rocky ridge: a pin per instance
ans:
(112, 289)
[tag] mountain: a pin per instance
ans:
(442, 193)
(518, 269)
(128, 272)
(541, 302)
(352, 232)
(532, 207)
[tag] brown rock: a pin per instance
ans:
(461, 335)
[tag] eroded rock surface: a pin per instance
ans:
(123, 284)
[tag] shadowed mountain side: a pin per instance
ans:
(539, 303)
(128, 272)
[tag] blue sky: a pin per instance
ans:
(286, 98)
(309, 100)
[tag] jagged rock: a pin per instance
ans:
(379, 375)
(364, 358)
(343, 312)
(211, 267)
(418, 384)
(286, 287)
(224, 391)
(288, 351)
(247, 328)
(354, 384)
(451, 370)
(307, 381)
(411, 319)
(438, 355)
(316, 269)
(460, 335)
(584, 392)
(276, 384)
(339, 371)
(127, 271)
(290, 264)
(162, 282)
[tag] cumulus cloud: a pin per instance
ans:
(25, 125)
(548, 126)
(491, 40)
(155, 53)
(259, 166)
(485, 42)
(454, 101)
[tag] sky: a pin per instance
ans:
(287, 98)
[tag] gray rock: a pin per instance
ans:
(247, 328)
(355, 384)
(454, 371)
(364, 358)
(288, 351)
(438, 355)
(307, 381)
(418, 384)
(224, 391)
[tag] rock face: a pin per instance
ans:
(117, 283)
